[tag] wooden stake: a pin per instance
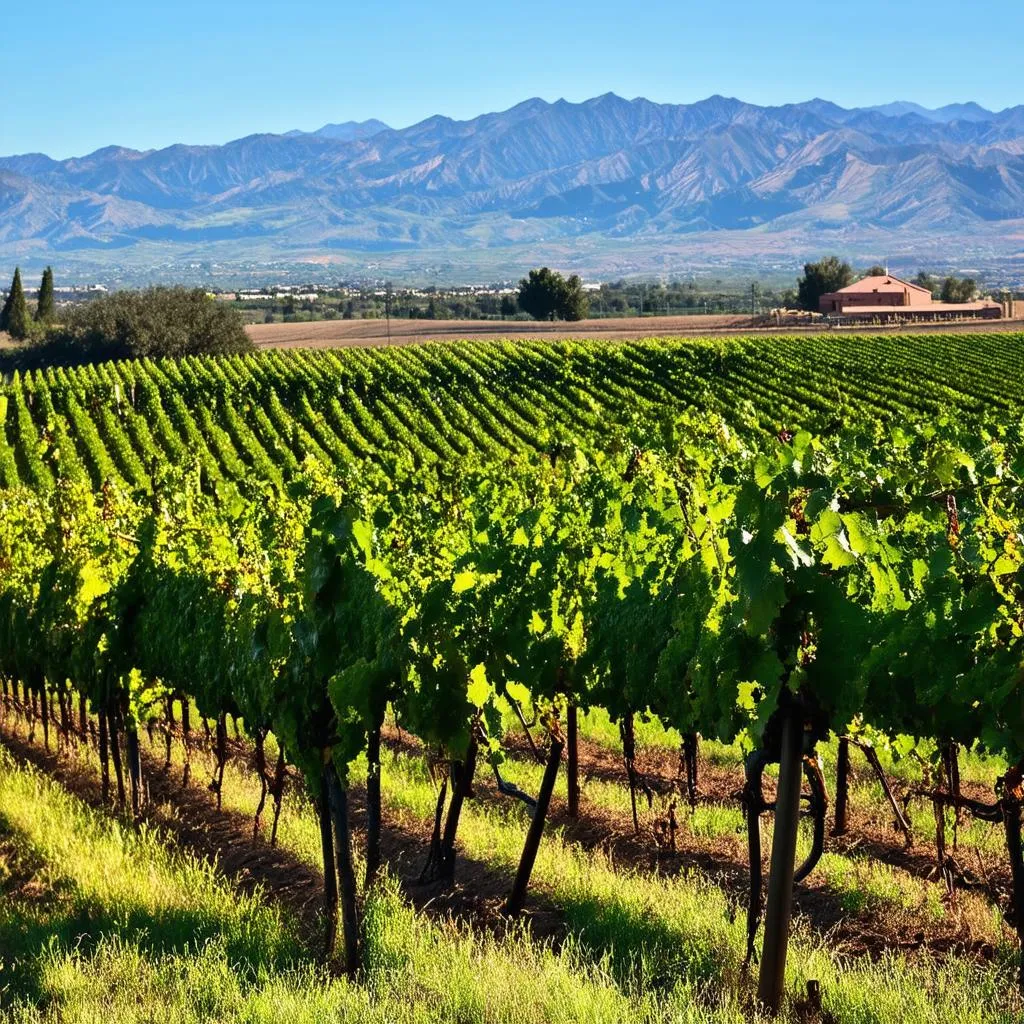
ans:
(772, 979)
(517, 899)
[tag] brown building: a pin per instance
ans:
(889, 298)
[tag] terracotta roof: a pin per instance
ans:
(880, 283)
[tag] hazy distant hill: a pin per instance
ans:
(347, 131)
(604, 171)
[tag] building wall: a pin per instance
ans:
(838, 302)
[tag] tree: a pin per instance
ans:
(5, 312)
(508, 306)
(546, 295)
(876, 271)
(575, 304)
(925, 280)
(958, 289)
(827, 275)
(45, 307)
(14, 318)
(154, 322)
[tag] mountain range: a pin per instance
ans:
(631, 178)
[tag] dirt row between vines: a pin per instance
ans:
(189, 818)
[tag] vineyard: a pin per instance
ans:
(464, 605)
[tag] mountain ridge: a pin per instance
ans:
(608, 169)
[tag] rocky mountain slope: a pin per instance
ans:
(606, 169)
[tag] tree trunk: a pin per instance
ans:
(572, 766)
(83, 717)
(517, 898)
(346, 871)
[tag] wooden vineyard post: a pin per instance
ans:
(330, 874)
(839, 825)
(104, 758)
(186, 742)
(628, 734)
(373, 811)
(1010, 805)
(572, 766)
(217, 785)
(517, 898)
(44, 703)
(338, 802)
(259, 746)
(688, 755)
(462, 789)
(772, 980)
(115, 753)
(277, 791)
(134, 756)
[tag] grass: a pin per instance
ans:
(93, 929)
(660, 930)
(638, 947)
(896, 900)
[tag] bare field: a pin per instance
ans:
(339, 333)
(346, 333)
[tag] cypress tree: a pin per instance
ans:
(17, 311)
(45, 306)
(5, 313)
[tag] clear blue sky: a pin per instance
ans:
(79, 76)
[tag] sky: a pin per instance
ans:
(145, 75)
